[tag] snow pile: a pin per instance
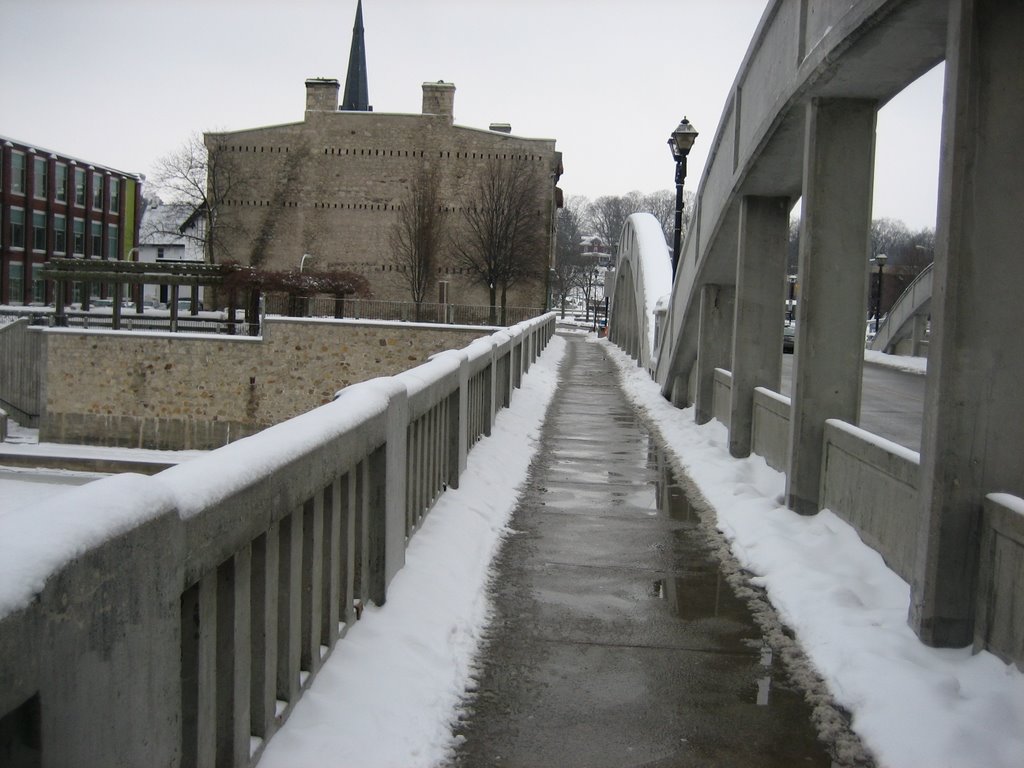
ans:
(899, 362)
(38, 540)
(205, 481)
(912, 705)
(387, 695)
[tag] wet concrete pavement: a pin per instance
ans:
(618, 638)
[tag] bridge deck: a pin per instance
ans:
(618, 637)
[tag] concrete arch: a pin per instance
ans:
(802, 51)
(800, 122)
(643, 275)
(907, 317)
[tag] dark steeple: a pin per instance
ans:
(357, 97)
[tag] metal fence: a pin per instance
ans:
(280, 304)
(399, 311)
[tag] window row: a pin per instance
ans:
(61, 190)
(60, 234)
(16, 286)
(16, 283)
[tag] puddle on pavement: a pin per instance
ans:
(700, 590)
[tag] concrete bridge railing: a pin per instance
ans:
(799, 123)
(177, 619)
(21, 355)
(875, 486)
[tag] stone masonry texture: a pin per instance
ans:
(331, 186)
(193, 392)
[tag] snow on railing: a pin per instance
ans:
(177, 619)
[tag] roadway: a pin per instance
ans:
(892, 402)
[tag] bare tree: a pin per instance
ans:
(202, 181)
(419, 234)
(568, 258)
(502, 241)
(888, 236)
(608, 213)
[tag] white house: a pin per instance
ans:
(169, 232)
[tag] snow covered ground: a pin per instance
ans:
(387, 694)
(899, 362)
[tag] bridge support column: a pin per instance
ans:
(714, 345)
(760, 292)
(834, 246)
(973, 436)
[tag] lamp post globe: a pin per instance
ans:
(680, 143)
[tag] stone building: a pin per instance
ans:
(332, 185)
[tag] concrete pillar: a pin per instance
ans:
(760, 307)
(834, 247)
(679, 396)
(312, 581)
(714, 345)
(289, 605)
(973, 436)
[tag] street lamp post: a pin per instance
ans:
(880, 260)
(679, 144)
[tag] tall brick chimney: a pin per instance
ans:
(322, 94)
(439, 99)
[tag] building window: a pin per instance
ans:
(78, 237)
(76, 293)
(39, 177)
(96, 235)
(97, 192)
(159, 253)
(15, 283)
(38, 284)
(112, 241)
(79, 187)
(60, 185)
(115, 195)
(38, 231)
(60, 233)
(17, 227)
(18, 173)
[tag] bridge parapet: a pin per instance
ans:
(643, 277)
(177, 619)
(906, 317)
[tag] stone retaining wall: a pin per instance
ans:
(191, 391)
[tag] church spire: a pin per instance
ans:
(357, 97)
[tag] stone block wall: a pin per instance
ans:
(331, 186)
(181, 391)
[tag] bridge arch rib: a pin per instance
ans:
(643, 275)
(799, 122)
(907, 317)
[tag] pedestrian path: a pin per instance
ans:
(616, 640)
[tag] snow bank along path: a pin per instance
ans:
(912, 705)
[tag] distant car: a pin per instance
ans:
(788, 337)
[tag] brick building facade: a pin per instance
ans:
(56, 206)
(331, 187)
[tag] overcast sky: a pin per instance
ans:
(122, 82)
